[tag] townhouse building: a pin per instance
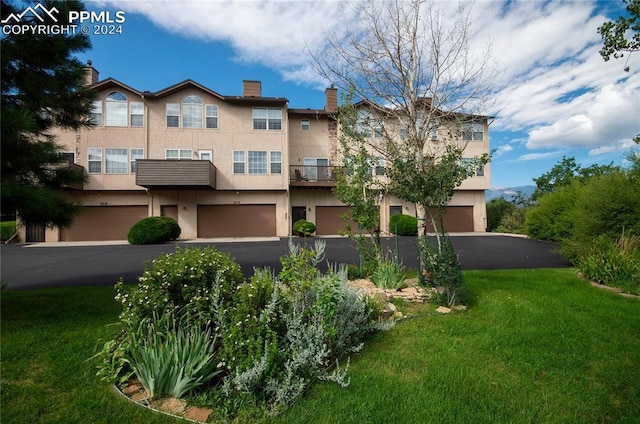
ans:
(221, 165)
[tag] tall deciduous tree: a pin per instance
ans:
(416, 70)
(43, 87)
(622, 36)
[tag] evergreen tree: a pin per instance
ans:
(43, 87)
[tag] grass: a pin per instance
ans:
(7, 229)
(536, 346)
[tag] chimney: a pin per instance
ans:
(91, 74)
(331, 99)
(251, 88)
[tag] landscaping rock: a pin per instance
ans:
(198, 414)
(443, 310)
(170, 405)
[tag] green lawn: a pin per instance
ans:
(536, 346)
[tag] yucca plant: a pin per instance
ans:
(389, 274)
(170, 357)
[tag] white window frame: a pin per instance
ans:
(192, 108)
(305, 125)
(267, 118)
(94, 156)
(380, 166)
(115, 160)
(173, 111)
(202, 155)
(96, 113)
(135, 153)
(239, 159)
(473, 131)
(211, 116)
(180, 154)
(257, 162)
(136, 110)
(116, 110)
(275, 162)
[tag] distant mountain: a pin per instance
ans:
(509, 192)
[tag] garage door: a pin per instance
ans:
(457, 219)
(97, 223)
(236, 221)
(329, 221)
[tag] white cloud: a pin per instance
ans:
(537, 156)
(502, 150)
(556, 87)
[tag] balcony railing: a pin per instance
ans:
(313, 176)
(158, 173)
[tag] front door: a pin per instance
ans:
(298, 213)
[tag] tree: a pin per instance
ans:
(622, 36)
(416, 73)
(566, 171)
(497, 209)
(42, 89)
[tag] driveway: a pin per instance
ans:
(41, 265)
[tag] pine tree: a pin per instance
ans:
(43, 87)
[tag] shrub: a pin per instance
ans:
(442, 269)
(551, 218)
(171, 357)
(496, 209)
(303, 228)
(406, 225)
(154, 229)
(189, 278)
(615, 264)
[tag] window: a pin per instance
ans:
(257, 162)
(135, 154)
(205, 155)
(363, 123)
(173, 115)
(380, 165)
(480, 171)
(378, 130)
(404, 133)
(137, 114)
(316, 169)
(115, 161)
(96, 113)
(473, 131)
(179, 154)
(68, 158)
(275, 162)
(116, 105)
(192, 112)
(238, 162)
(305, 125)
(468, 163)
(94, 158)
(212, 116)
(267, 118)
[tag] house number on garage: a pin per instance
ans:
(103, 203)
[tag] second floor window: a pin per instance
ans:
(116, 110)
(472, 131)
(94, 159)
(179, 154)
(96, 113)
(135, 154)
(192, 112)
(115, 161)
(267, 118)
(137, 114)
(173, 115)
(305, 125)
(212, 116)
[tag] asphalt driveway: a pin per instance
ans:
(35, 266)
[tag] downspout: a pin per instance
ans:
(146, 148)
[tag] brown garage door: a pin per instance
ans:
(103, 223)
(329, 221)
(457, 219)
(236, 221)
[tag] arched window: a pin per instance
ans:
(192, 112)
(116, 110)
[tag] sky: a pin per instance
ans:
(556, 97)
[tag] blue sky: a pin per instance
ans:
(556, 97)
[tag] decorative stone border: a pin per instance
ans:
(176, 408)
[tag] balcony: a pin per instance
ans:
(174, 174)
(313, 176)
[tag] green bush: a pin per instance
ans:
(189, 278)
(407, 225)
(615, 264)
(496, 209)
(552, 218)
(442, 269)
(303, 228)
(154, 229)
